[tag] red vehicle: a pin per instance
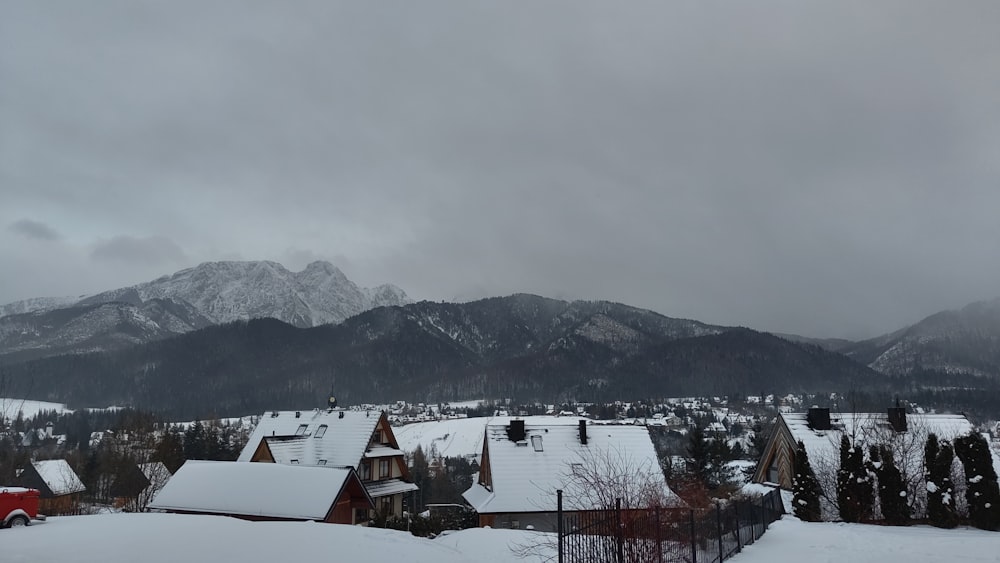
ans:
(18, 507)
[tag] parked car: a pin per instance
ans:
(18, 506)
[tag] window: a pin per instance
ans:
(301, 430)
(377, 437)
(536, 442)
(387, 505)
(383, 468)
(320, 431)
(366, 471)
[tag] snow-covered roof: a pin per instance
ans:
(59, 477)
(823, 446)
(13, 490)
(386, 487)
(253, 489)
(526, 474)
(302, 438)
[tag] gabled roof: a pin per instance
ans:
(254, 489)
(823, 446)
(524, 475)
(59, 477)
(289, 437)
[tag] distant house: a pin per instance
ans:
(524, 463)
(264, 491)
(59, 485)
(135, 485)
(361, 440)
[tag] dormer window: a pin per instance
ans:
(301, 430)
(321, 462)
(295, 462)
(320, 431)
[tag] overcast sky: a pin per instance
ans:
(824, 168)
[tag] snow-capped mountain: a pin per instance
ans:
(211, 293)
(232, 291)
(36, 304)
(966, 341)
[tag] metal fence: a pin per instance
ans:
(664, 535)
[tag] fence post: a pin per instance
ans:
(739, 526)
(694, 545)
(718, 527)
(659, 538)
(559, 522)
(619, 532)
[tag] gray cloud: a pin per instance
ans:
(34, 229)
(144, 250)
(825, 169)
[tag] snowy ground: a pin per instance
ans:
(166, 538)
(793, 540)
(29, 409)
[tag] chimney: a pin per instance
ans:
(48, 429)
(583, 432)
(818, 418)
(515, 431)
(897, 418)
(298, 414)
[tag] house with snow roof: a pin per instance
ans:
(525, 461)
(265, 492)
(357, 439)
(820, 431)
(59, 485)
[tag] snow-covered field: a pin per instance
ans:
(792, 540)
(29, 409)
(166, 538)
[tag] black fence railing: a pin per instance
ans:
(664, 535)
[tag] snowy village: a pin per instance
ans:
(685, 479)
(452, 281)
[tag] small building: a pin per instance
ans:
(361, 440)
(135, 485)
(265, 492)
(525, 461)
(59, 485)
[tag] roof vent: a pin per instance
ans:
(818, 418)
(583, 432)
(515, 431)
(298, 414)
(341, 415)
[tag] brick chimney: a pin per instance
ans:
(818, 418)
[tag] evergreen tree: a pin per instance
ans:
(805, 488)
(854, 486)
(981, 491)
(891, 488)
(699, 454)
(938, 457)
